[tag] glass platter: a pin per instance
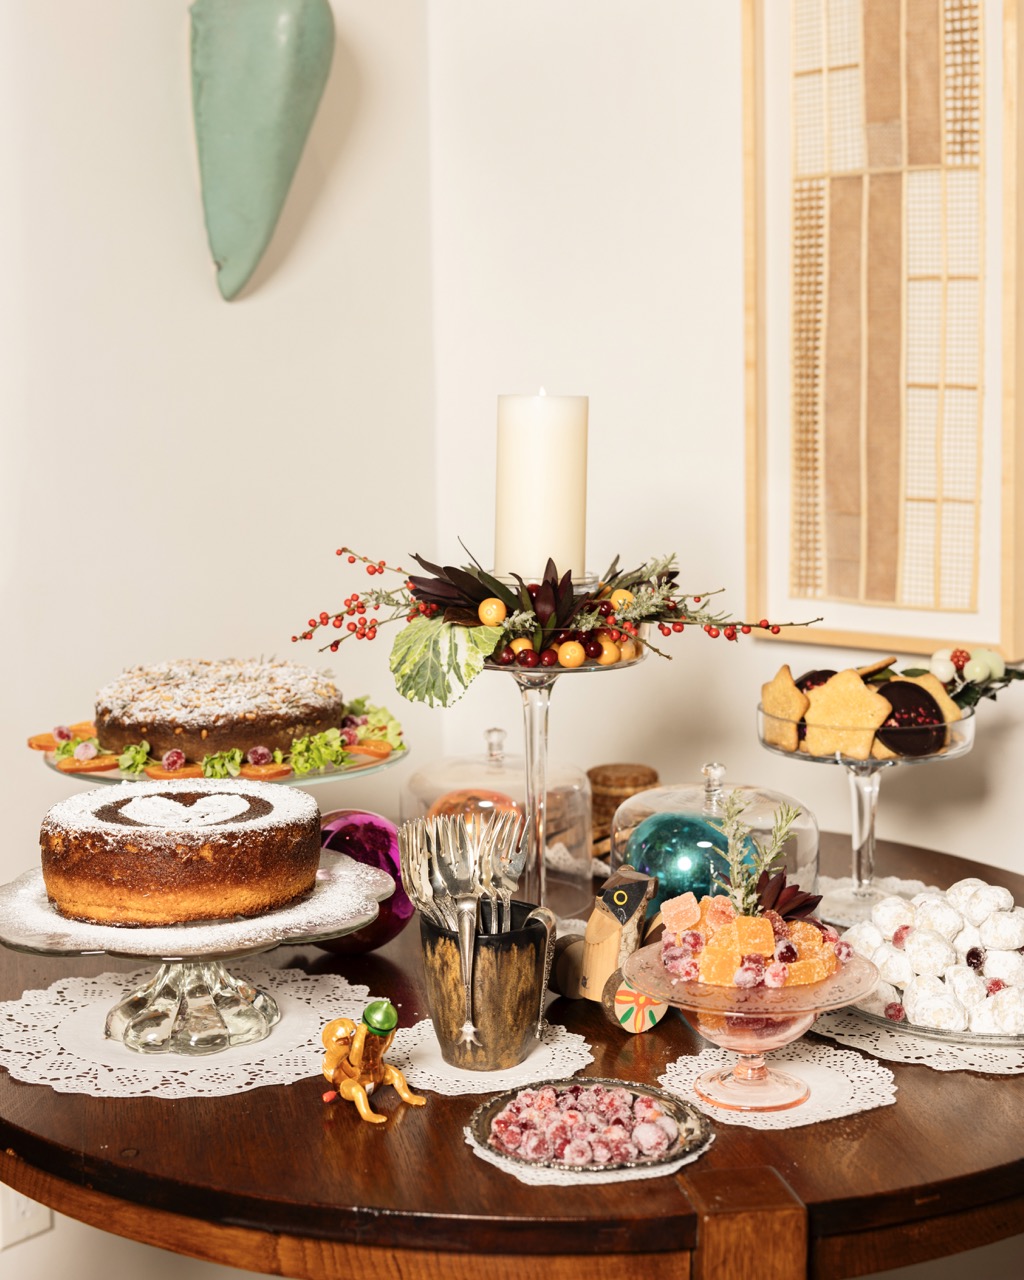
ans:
(943, 1037)
(855, 980)
(694, 1126)
(345, 897)
(366, 765)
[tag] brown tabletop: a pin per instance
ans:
(275, 1180)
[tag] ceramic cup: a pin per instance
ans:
(509, 979)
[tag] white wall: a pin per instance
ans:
(557, 202)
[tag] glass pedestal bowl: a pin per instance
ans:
(865, 754)
(751, 1021)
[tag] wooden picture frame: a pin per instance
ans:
(997, 618)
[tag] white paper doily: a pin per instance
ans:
(55, 1037)
(416, 1053)
(842, 1084)
(541, 1177)
(900, 1046)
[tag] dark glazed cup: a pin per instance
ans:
(508, 983)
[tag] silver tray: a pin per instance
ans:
(694, 1126)
(944, 1037)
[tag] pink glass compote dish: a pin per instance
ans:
(751, 1021)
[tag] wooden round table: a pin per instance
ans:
(274, 1180)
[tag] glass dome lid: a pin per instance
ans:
(673, 832)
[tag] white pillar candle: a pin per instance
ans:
(540, 508)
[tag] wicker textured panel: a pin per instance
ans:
(887, 301)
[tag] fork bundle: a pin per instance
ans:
(453, 859)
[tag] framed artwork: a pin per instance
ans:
(883, 158)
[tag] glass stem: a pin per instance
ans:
(864, 782)
(750, 1069)
(536, 696)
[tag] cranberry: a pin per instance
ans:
(976, 958)
(507, 656)
(899, 938)
(592, 648)
(259, 755)
(786, 953)
(62, 733)
(895, 1012)
(549, 657)
(844, 950)
(779, 927)
(992, 985)
(528, 658)
(173, 759)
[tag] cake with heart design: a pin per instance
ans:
(157, 853)
(202, 706)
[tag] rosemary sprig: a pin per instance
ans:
(744, 871)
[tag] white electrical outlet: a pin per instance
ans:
(21, 1217)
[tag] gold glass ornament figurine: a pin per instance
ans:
(354, 1061)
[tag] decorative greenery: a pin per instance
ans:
(223, 764)
(748, 875)
(444, 647)
(966, 693)
(134, 758)
(67, 746)
(317, 751)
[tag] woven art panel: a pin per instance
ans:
(887, 238)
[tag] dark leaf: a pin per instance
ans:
(462, 617)
(469, 584)
(544, 603)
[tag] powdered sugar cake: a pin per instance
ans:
(152, 853)
(202, 707)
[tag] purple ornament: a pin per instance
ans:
(373, 840)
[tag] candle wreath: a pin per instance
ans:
(459, 619)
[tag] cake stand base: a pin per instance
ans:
(192, 1008)
(751, 1087)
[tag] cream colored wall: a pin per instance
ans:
(557, 202)
(179, 469)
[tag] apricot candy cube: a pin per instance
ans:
(680, 914)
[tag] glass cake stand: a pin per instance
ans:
(752, 1021)
(852, 901)
(193, 1006)
(535, 685)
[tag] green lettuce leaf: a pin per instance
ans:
(317, 751)
(134, 758)
(223, 764)
(434, 661)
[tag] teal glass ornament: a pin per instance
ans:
(681, 850)
(672, 832)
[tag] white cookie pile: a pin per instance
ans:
(952, 961)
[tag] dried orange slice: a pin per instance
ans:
(376, 747)
(82, 729)
(98, 764)
(161, 774)
(43, 742)
(266, 772)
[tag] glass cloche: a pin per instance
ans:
(671, 832)
(494, 780)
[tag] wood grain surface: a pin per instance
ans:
(274, 1180)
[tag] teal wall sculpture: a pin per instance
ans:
(258, 71)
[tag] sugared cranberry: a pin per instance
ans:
(691, 941)
(173, 759)
(62, 733)
(779, 926)
(785, 952)
(775, 975)
(260, 755)
(992, 985)
(895, 1012)
(901, 935)
(844, 950)
(975, 957)
(748, 976)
